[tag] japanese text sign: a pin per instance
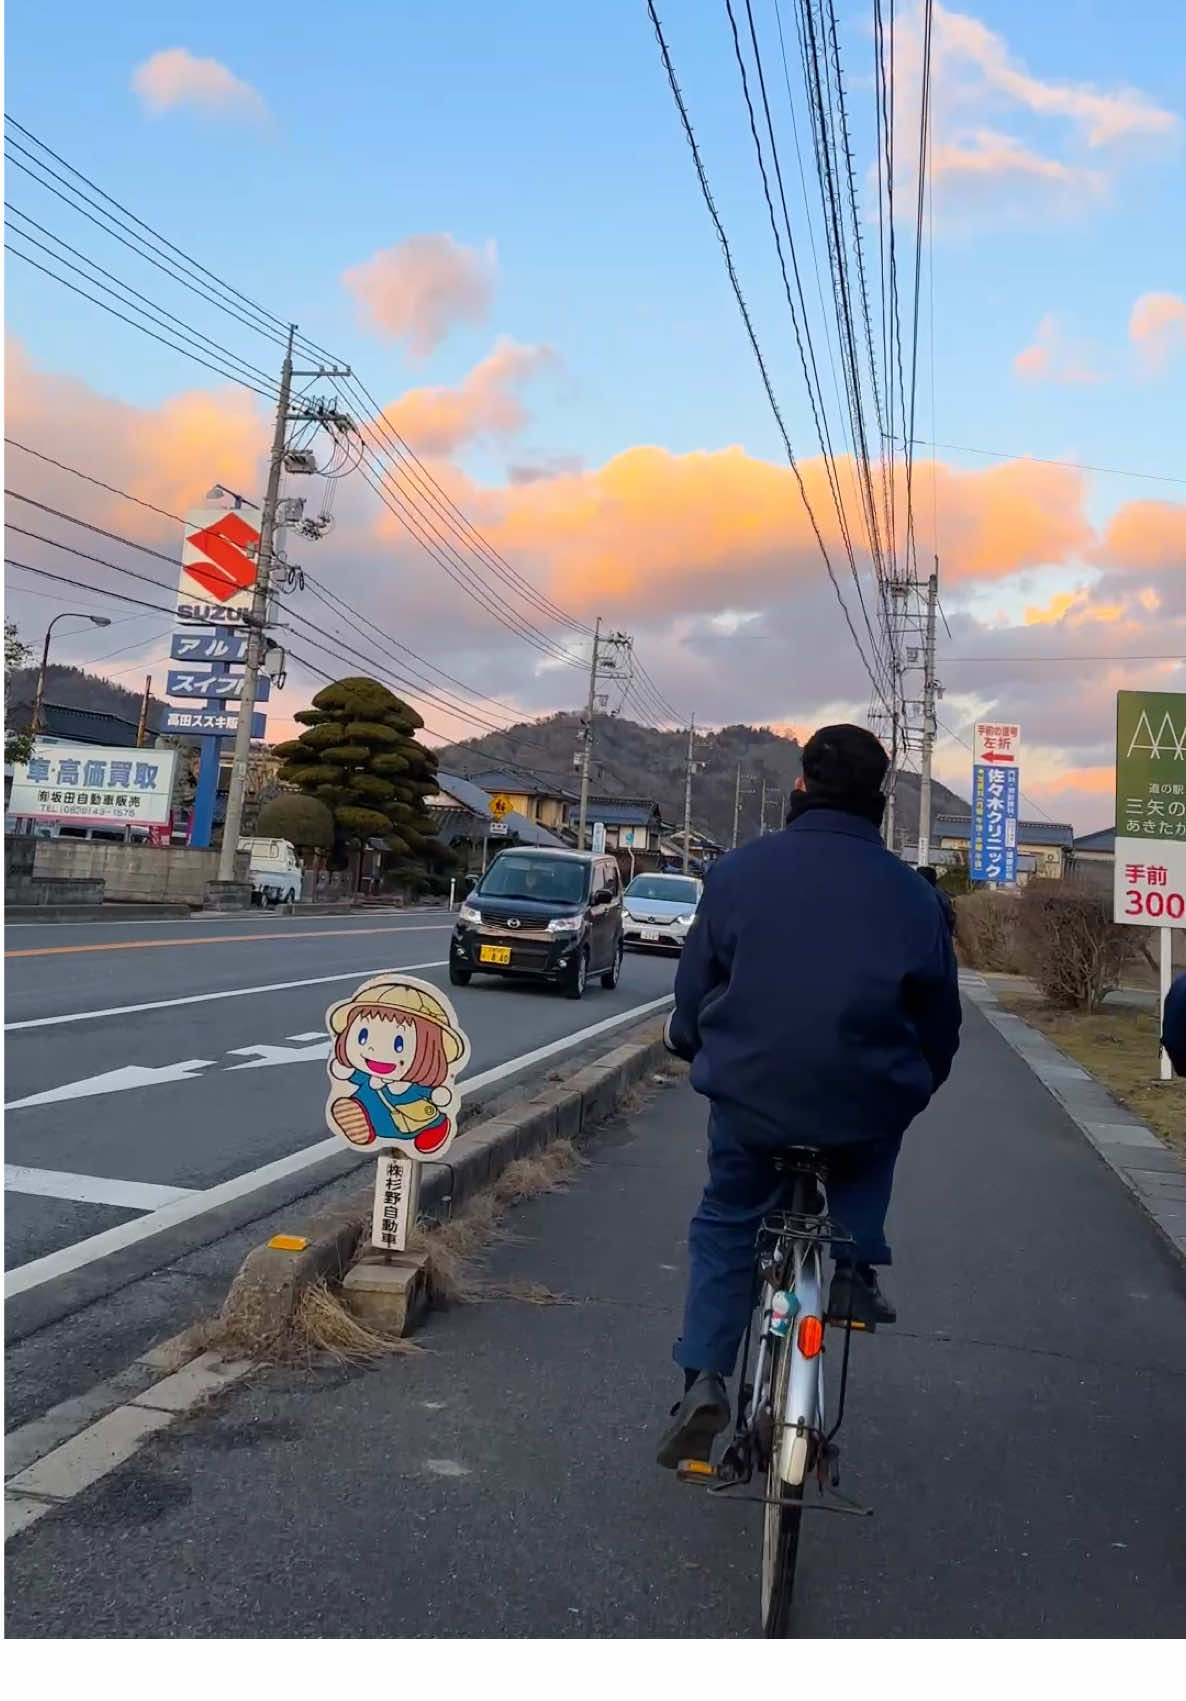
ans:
(209, 646)
(183, 682)
(996, 790)
(85, 783)
(1150, 867)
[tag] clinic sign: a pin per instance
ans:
(996, 792)
(1150, 868)
(85, 785)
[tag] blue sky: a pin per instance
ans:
(550, 132)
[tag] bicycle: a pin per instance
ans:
(781, 1426)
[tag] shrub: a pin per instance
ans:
(1070, 944)
(987, 932)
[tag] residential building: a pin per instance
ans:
(1044, 848)
(1094, 856)
(461, 815)
(531, 796)
(631, 823)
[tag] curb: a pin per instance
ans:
(98, 912)
(266, 1290)
(56, 1456)
(1152, 1172)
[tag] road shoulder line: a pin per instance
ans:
(1152, 1172)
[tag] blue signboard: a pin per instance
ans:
(207, 723)
(993, 851)
(182, 683)
(209, 646)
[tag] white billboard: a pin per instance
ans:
(218, 565)
(87, 785)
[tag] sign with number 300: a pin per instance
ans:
(1150, 888)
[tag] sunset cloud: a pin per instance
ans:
(439, 420)
(176, 80)
(422, 287)
(1051, 358)
(1157, 329)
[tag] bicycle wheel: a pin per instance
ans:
(782, 1516)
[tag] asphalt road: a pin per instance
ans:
(148, 1064)
(1019, 1434)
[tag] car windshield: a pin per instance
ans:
(663, 889)
(550, 880)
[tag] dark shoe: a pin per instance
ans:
(699, 1418)
(855, 1293)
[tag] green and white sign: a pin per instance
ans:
(1150, 889)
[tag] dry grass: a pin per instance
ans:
(324, 1325)
(1120, 1048)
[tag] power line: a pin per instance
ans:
(752, 335)
(113, 489)
(1046, 461)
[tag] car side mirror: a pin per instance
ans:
(604, 896)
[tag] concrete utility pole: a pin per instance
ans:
(587, 752)
(762, 817)
(929, 690)
(688, 772)
(257, 619)
(737, 807)
(142, 724)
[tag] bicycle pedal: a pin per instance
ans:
(855, 1324)
(695, 1470)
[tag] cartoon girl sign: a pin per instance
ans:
(396, 1049)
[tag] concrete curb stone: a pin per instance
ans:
(1152, 1172)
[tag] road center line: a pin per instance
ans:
(208, 997)
(91, 1189)
(70, 1258)
(221, 939)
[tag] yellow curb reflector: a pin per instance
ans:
(288, 1243)
(696, 1468)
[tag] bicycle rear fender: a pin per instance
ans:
(804, 1408)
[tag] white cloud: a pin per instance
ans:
(176, 79)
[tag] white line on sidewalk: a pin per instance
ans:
(209, 997)
(91, 1189)
(70, 1258)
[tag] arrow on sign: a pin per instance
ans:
(997, 756)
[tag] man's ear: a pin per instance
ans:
(800, 784)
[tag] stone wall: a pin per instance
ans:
(146, 874)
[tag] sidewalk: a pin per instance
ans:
(1019, 1434)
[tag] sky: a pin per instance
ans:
(493, 216)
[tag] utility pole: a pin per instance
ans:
(142, 724)
(587, 752)
(762, 818)
(737, 807)
(688, 772)
(929, 690)
(257, 619)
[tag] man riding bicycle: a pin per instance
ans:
(817, 1001)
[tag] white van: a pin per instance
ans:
(276, 873)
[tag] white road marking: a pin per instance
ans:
(210, 997)
(116, 1081)
(91, 1189)
(70, 1258)
(255, 917)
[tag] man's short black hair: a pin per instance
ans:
(929, 874)
(844, 761)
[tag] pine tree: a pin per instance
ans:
(358, 754)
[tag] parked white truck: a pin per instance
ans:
(276, 872)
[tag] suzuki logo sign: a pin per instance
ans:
(218, 564)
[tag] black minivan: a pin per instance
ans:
(547, 914)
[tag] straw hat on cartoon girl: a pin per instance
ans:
(397, 1044)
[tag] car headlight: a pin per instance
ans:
(685, 920)
(468, 913)
(565, 924)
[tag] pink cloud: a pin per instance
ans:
(1054, 359)
(422, 287)
(1157, 329)
(175, 79)
(438, 420)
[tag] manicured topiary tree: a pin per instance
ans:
(358, 754)
(306, 822)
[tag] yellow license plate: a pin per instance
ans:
(494, 954)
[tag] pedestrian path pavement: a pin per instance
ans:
(1018, 1434)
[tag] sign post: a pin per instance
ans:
(395, 1050)
(996, 790)
(598, 838)
(1150, 857)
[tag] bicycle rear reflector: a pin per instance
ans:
(811, 1336)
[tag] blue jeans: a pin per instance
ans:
(743, 1186)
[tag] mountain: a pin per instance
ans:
(75, 688)
(630, 760)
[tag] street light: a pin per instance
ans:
(95, 620)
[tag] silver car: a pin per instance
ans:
(658, 910)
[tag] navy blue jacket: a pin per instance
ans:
(817, 996)
(1173, 1031)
